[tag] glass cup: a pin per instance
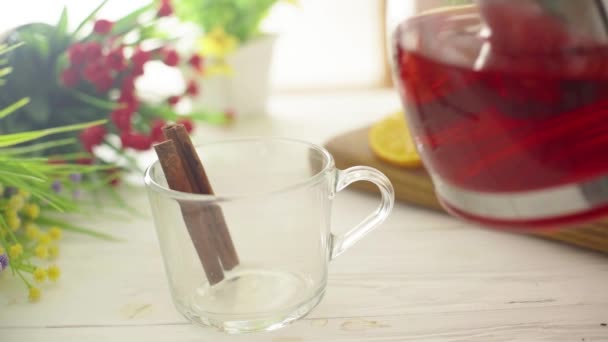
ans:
(506, 101)
(275, 196)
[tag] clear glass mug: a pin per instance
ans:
(275, 196)
(507, 101)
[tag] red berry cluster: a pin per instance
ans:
(92, 136)
(105, 65)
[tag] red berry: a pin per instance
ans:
(196, 61)
(192, 88)
(171, 58)
(70, 77)
(140, 57)
(96, 71)
(230, 114)
(173, 100)
(129, 100)
(56, 160)
(114, 176)
(135, 141)
(116, 60)
(84, 161)
(128, 86)
(121, 118)
(103, 26)
(92, 51)
(104, 84)
(165, 9)
(188, 125)
(115, 181)
(76, 54)
(92, 136)
(138, 70)
(156, 130)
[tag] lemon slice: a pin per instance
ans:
(391, 141)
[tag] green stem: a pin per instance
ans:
(29, 285)
(76, 229)
(92, 100)
(123, 204)
(8, 229)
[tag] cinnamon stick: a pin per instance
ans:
(214, 218)
(202, 239)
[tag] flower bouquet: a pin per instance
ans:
(33, 190)
(64, 97)
(91, 74)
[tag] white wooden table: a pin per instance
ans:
(421, 276)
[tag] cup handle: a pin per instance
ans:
(340, 243)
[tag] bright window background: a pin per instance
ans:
(323, 44)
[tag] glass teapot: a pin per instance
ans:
(508, 104)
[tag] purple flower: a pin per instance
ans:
(76, 194)
(56, 186)
(3, 262)
(76, 177)
(10, 191)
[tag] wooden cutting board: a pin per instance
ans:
(414, 186)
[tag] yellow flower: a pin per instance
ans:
(31, 210)
(44, 238)
(54, 272)
(12, 220)
(53, 251)
(40, 275)
(31, 231)
(16, 202)
(219, 68)
(24, 194)
(15, 251)
(217, 43)
(55, 233)
(42, 251)
(34, 294)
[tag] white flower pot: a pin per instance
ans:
(245, 91)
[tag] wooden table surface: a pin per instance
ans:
(422, 276)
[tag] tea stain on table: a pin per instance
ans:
(133, 310)
(362, 324)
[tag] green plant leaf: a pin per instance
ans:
(17, 138)
(21, 175)
(89, 17)
(5, 71)
(62, 25)
(37, 147)
(129, 22)
(6, 49)
(14, 107)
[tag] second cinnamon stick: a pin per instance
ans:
(214, 217)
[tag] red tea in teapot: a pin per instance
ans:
(513, 132)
